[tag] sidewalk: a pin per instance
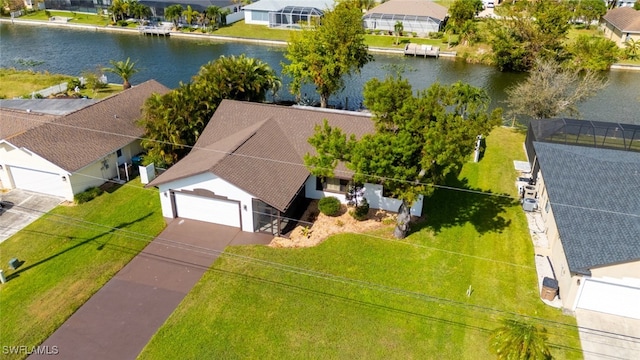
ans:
(119, 320)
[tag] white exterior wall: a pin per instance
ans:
(248, 17)
(310, 191)
(235, 16)
(9, 155)
(94, 174)
(218, 186)
(372, 192)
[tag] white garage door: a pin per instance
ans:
(208, 209)
(610, 298)
(39, 181)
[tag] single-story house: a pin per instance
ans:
(419, 16)
(235, 7)
(621, 25)
(64, 155)
(247, 169)
(588, 184)
(285, 13)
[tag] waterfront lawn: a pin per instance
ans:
(359, 296)
(76, 18)
(68, 255)
(14, 83)
(242, 30)
(387, 41)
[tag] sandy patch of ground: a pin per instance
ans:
(325, 226)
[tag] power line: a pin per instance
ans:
(316, 274)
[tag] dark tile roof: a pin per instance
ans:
(82, 137)
(260, 148)
(624, 18)
(411, 7)
(595, 197)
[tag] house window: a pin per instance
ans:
(119, 153)
(332, 185)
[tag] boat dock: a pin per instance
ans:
(422, 50)
(154, 30)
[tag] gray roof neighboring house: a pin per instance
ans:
(47, 106)
(78, 139)
(274, 5)
(595, 197)
(260, 148)
(411, 8)
(625, 19)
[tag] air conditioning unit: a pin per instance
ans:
(530, 192)
(530, 204)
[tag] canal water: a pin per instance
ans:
(174, 60)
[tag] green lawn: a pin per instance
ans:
(368, 296)
(15, 83)
(68, 255)
(76, 18)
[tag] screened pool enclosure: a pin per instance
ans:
(411, 23)
(293, 17)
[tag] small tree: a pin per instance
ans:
(398, 28)
(632, 48)
(518, 340)
(329, 205)
(551, 90)
(124, 69)
(173, 13)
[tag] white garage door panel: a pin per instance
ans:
(207, 209)
(38, 181)
(610, 298)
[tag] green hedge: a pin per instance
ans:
(88, 195)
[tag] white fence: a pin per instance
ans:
(55, 89)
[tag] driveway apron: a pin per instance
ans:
(119, 320)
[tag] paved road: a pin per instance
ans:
(119, 320)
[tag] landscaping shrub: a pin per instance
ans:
(88, 195)
(361, 211)
(436, 35)
(329, 205)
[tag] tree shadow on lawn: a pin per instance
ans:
(451, 207)
(83, 242)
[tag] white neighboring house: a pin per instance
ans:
(589, 199)
(64, 155)
(419, 16)
(284, 13)
(247, 168)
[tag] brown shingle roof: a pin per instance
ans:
(68, 142)
(625, 19)
(269, 143)
(411, 7)
(15, 122)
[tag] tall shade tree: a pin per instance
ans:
(327, 51)
(418, 141)
(529, 30)
(592, 53)
(124, 69)
(462, 11)
(173, 13)
(550, 91)
(174, 121)
(519, 340)
(588, 10)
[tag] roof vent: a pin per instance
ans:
(28, 110)
(115, 116)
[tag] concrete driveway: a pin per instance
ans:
(605, 336)
(20, 208)
(118, 321)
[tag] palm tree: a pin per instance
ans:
(632, 48)
(519, 340)
(189, 14)
(398, 28)
(173, 13)
(124, 69)
(213, 13)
